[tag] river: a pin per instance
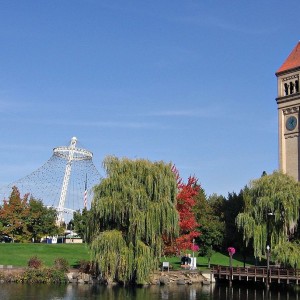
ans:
(176, 292)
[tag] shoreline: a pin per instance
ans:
(74, 276)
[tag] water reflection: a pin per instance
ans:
(255, 292)
(173, 292)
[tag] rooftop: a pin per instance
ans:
(293, 60)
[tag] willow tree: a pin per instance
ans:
(133, 207)
(270, 217)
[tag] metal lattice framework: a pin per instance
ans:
(61, 182)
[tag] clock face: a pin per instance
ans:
(291, 123)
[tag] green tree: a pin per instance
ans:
(41, 220)
(81, 220)
(14, 215)
(271, 213)
(132, 209)
(232, 207)
(211, 228)
(233, 236)
(217, 203)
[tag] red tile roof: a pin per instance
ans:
(293, 60)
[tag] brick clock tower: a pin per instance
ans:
(288, 101)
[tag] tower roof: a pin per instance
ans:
(293, 60)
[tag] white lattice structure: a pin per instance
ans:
(62, 181)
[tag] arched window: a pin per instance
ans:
(297, 86)
(286, 89)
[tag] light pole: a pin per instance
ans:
(231, 251)
(193, 247)
(269, 215)
(268, 264)
(268, 257)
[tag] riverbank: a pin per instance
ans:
(180, 277)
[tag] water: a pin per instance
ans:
(175, 292)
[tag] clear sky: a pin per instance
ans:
(187, 82)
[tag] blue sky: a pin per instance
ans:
(187, 82)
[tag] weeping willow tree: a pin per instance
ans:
(270, 217)
(133, 207)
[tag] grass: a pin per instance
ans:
(216, 259)
(18, 255)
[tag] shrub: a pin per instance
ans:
(46, 275)
(61, 264)
(84, 266)
(34, 263)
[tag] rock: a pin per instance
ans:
(70, 276)
(86, 277)
(164, 280)
(181, 282)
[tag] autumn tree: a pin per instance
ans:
(188, 226)
(25, 220)
(14, 215)
(132, 209)
(270, 217)
(41, 220)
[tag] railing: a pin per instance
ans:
(257, 274)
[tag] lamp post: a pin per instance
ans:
(268, 264)
(268, 247)
(269, 215)
(268, 257)
(193, 247)
(231, 251)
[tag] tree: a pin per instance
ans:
(233, 236)
(41, 220)
(188, 230)
(81, 220)
(270, 217)
(211, 228)
(185, 204)
(14, 216)
(132, 209)
(232, 207)
(25, 220)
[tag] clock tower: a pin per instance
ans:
(288, 101)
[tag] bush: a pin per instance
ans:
(34, 263)
(46, 275)
(61, 264)
(84, 266)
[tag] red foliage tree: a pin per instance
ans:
(187, 220)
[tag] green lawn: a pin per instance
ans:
(19, 254)
(217, 259)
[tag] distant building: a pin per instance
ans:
(73, 239)
(288, 101)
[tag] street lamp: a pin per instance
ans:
(268, 257)
(231, 251)
(268, 263)
(193, 247)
